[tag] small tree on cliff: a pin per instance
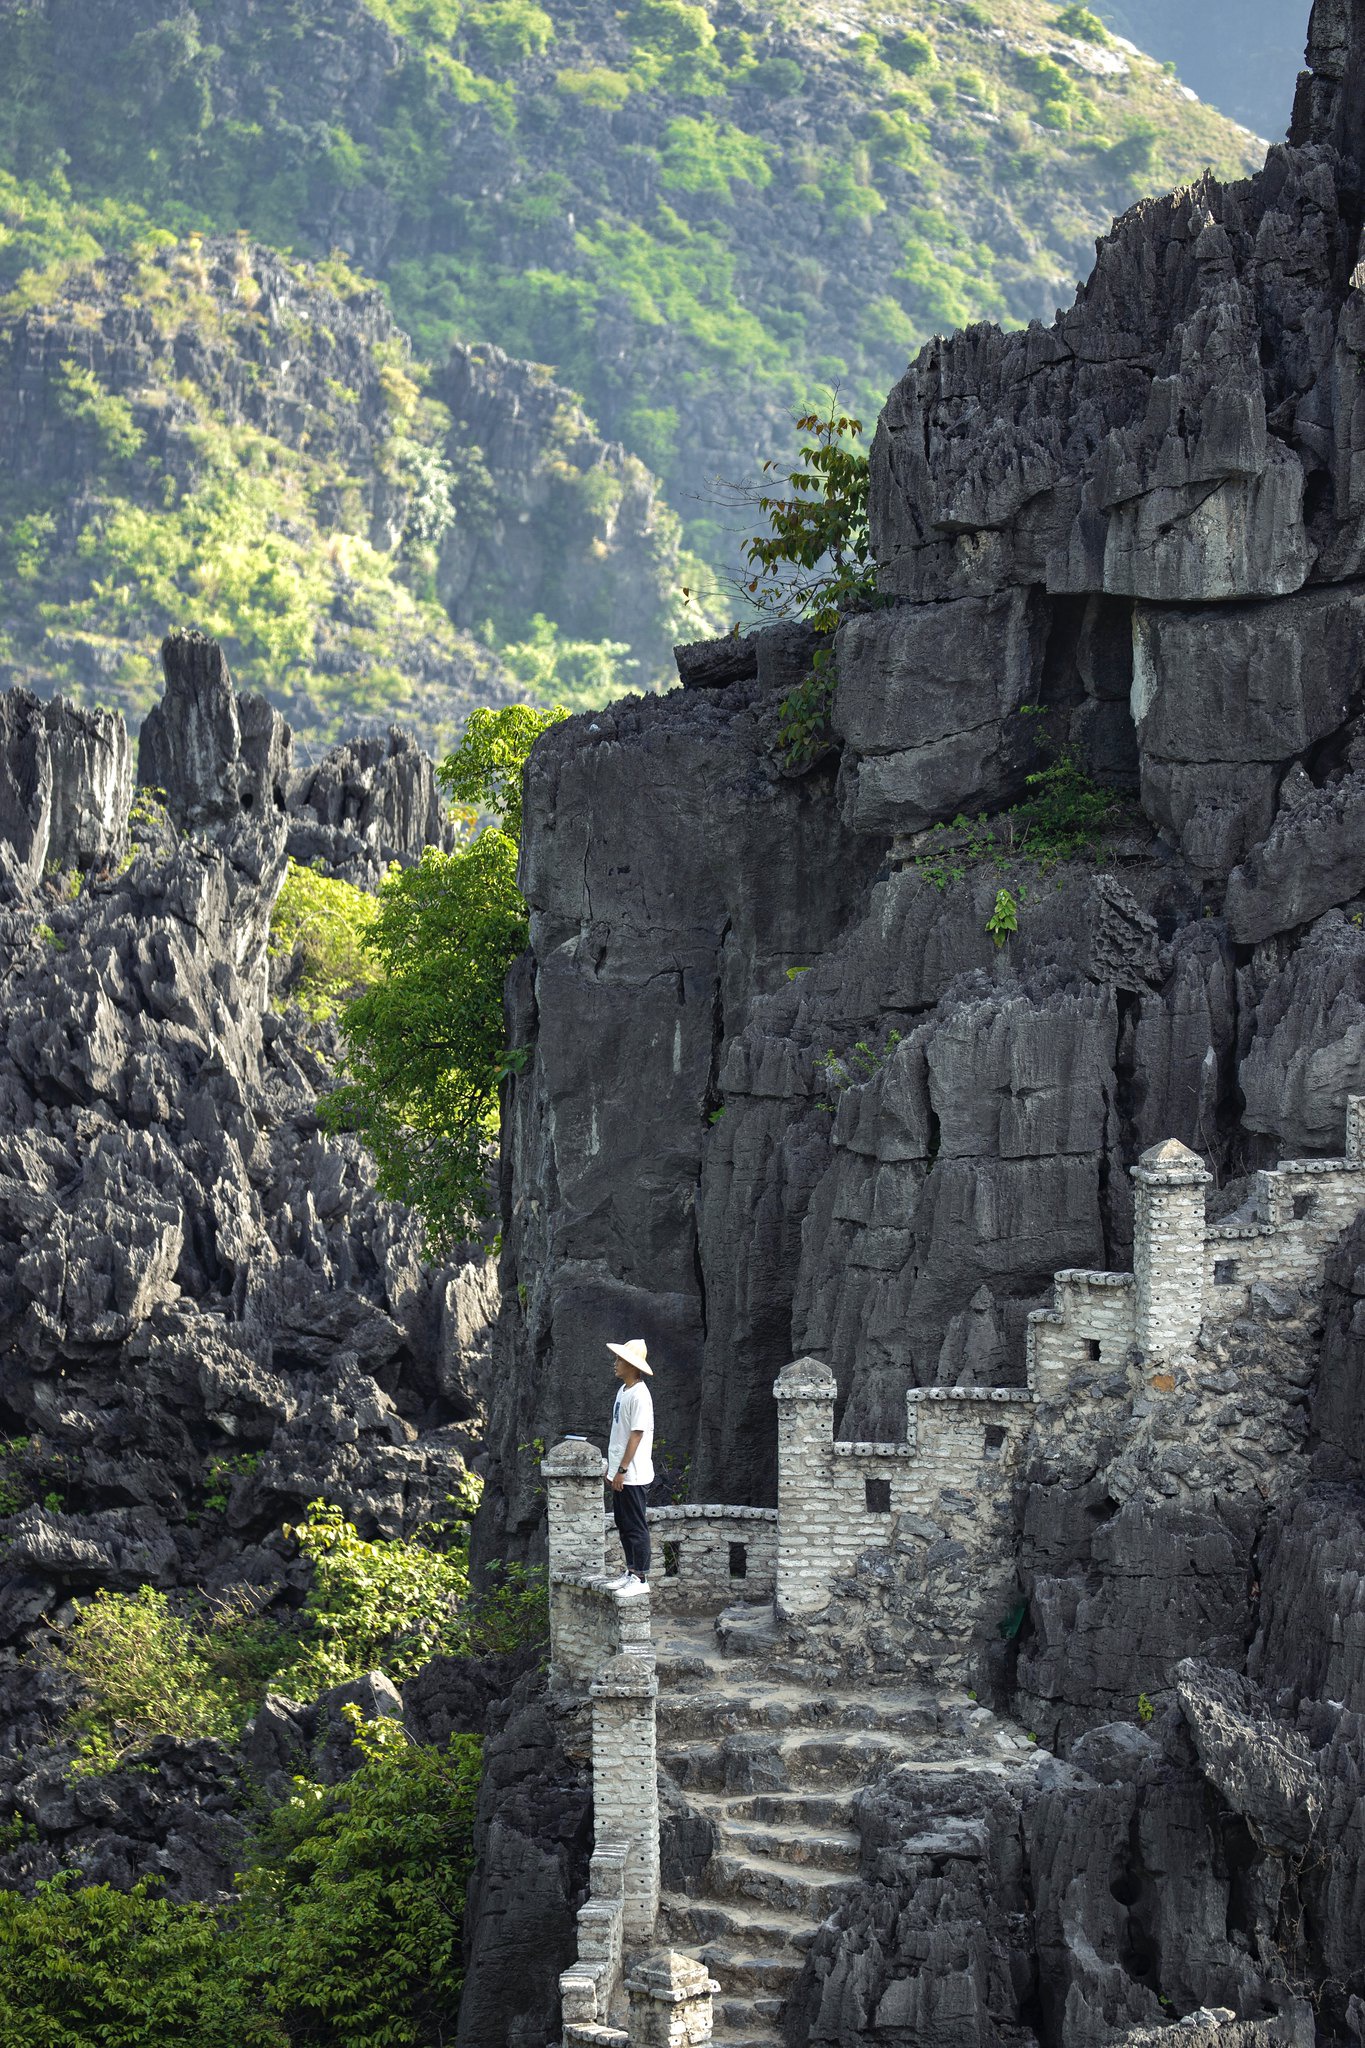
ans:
(814, 561)
(425, 1046)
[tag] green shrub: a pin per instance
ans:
(910, 51)
(672, 26)
(1085, 26)
(781, 78)
(513, 1613)
(147, 1666)
(596, 87)
(579, 674)
(706, 156)
(84, 400)
(347, 1932)
(80, 1967)
(351, 1914)
(509, 31)
(320, 925)
(375, 1605)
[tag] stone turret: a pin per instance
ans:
(805, 1392)
(1168, 1249)
(573, 1473)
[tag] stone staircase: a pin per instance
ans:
(766, 1768)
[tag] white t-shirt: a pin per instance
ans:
(634, 1410)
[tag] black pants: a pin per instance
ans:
(628, 1506)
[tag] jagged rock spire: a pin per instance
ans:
(1330, 103)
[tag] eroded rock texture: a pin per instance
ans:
(207, 1316)
(790, 1095)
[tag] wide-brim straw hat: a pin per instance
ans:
(634, 1353)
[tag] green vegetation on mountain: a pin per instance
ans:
(426, 1050)
(202, 432)
(696, 219)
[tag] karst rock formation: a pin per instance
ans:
(208, 1318)
(790, 1096)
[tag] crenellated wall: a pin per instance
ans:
(837, 1501)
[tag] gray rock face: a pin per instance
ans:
(365, 805)
(207, 1317)
(65, 787)
(804, 1080)
(532, 1841)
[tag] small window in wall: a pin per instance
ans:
(995, 1439)
(1225, 1272)
(1304, 1205)
(739, 1560)
(878, 1496)
(1092, 1350)
(671, 1557)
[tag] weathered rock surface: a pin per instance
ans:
(798, 1088)
(208, 1318)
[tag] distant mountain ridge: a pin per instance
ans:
(693, 215)
(1240, 55)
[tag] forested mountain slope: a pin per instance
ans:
(694, 215)
(204, 429)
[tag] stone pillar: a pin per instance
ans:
(1168, 1250)
(804, 1392)
(670, 2002)
(625, 1782)
(1355, 1130)
(573, 1473)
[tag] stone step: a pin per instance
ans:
(738, 1971)
(815, 1810)
(746, 2017)
(743, 1709)
(747, 1762)
(791, 1842)
(795, 1889)
(690, 1924)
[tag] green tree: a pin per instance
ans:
(425, 1046)
(80, 1966)
(814, 561)
(352, 1911)
(318, 927)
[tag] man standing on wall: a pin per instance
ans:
(630, 1456)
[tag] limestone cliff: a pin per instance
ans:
(791, 1093)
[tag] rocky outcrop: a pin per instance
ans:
(65, 787)
(365, 805)
(849, 1062)
(208, 1318)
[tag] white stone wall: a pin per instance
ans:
(625, 1797)
(702, 1545)
(1093, 1324)
(960, 1441)
(591, 1621)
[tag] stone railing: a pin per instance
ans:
(707, 1557)
(602, 1656)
